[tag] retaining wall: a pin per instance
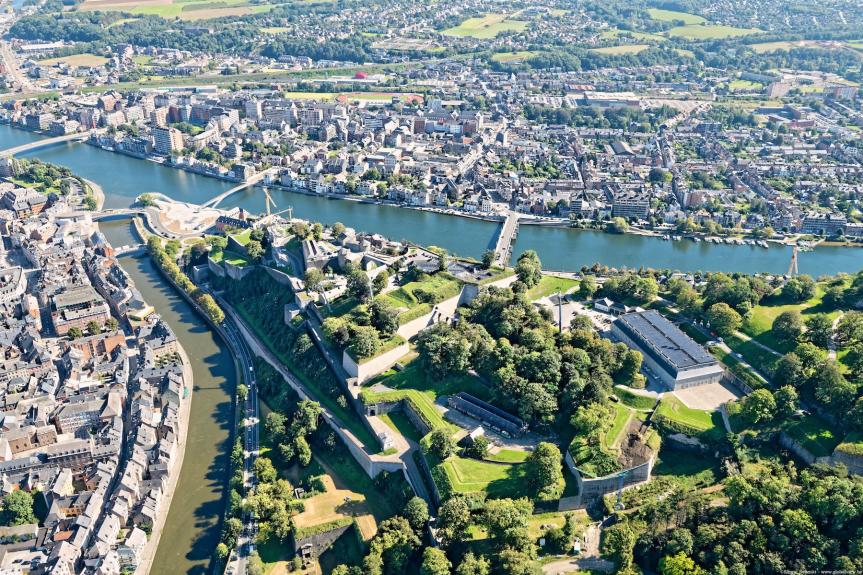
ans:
(366, 370)
(595, 487)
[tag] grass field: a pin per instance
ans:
(495, 479)
(645, 36)
(400, 423)
(675, 416)
(759, 323)
(508, 456)
(690, 472)
(815, 435)
(511, 57)
(182, 9)
(621, 50)
(549, 285)
(486, 27)
(406, 299)
(622, 415)
(77, 61)
(710, 31)
(674, 16)
(634, 400)
(743, 85)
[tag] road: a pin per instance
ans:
(251, 443)
(10, 63)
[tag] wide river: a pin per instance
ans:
(191, 531)
(123, 178)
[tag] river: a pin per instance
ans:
(192, 529)
(123, 178)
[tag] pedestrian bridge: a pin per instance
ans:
(44, 143)
(247, 184)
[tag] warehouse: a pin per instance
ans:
(669, 354)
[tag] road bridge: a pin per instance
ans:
(44, 143)
(248, 183)
(130, 250)
(508, 233)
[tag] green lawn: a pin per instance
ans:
(400, 423)
(710, 31)
(622, 415)
(815, 435)
(508, 456)
(853, 444)
(634, 400)
(673, 15)
(78, 61)
(510, 57)
(759, 323)
(688, 471)
(486, 27)
(497, 480)
(616, 33)
(737, 367)
(743, 85)
(414, 384)
(407, 297)
(550, 285)
(621, 50)
(674, 416)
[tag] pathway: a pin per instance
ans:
(831, 346)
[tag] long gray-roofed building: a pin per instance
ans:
(674, 357)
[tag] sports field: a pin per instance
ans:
(486, 27)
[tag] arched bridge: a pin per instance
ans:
(43, 143)
(247, 184)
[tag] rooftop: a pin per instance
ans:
(675, 347)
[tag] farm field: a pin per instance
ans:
(77, 60)
(182, 9)
(621, 50)
(710, 31)
(486, 27)
(510, 57)
(673, 15)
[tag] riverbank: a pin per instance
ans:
(149, 552)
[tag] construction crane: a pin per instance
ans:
(792, 267)
(269, 200)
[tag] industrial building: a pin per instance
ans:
(669, 354)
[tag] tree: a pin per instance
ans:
(17, 509)
(617, 226)
(317, 231)
(488, 257)
(384, 317)
(255, 250)
(786, 400)
(723, 319)
(300, 229)
(338, 229)
(365, 342)
(435, 562)
(313, 279)
(819, 330)
(473, 565)
(358, 284)
(265, 471)
(516, 562)
(587, 287)
(443, 350)
(453, 520)
(381, 281)
(93, 327)
(222, 552)
(254, 565)
(544, 471)
(630, 366)
(441, 444)
(442, 261)
(478, 448)
(75, 333)
(618, 542)
(242, 393)
(789, 370)
(798, 289)
(416, 511)
(850, 328)
(680, 564)
(528, 268)
(759, 406)
(506, 521)
(112, 324)
(832, 389)
(787, 327)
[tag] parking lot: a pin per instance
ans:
(707, 397)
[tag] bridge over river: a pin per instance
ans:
(37, 144)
